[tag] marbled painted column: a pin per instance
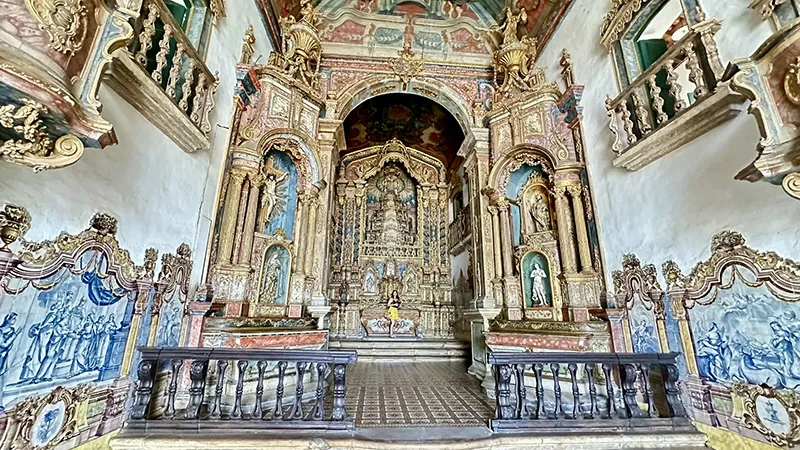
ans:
(564, 236)
(498, 257)
(477, 170)
(250, 219)
(229, 216)
(506, 237)
(581, 233)
(311, 234)
(142, 297)
(682, 316)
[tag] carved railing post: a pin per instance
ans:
(144, 389)
(339, 371)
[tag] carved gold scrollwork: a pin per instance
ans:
(791, 82)
(63, 20)
(762, 398)
(28, 411)
(406, 67)
(35, 148)
(791, 184)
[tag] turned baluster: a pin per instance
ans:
(695, 71)
(277, 414)
(216, 410)
(658, 102)
(197, 376)
(175, 71)
(540, 411)
(161, 56)
(339, 372)
(199, 98)
(576, 393)
(592, 390)
(644, 369)
(503, 391)
(642, 114)
(670, 375)
(237, 402)
(297, 409)
(172, 388)
(522, 395)
(629, 374)
(558, 411)
(613, 114)
(186, 88)
(146, 36)
(144, 389)
(611, 407)
(257, 411)
(628, 124)
(318, 413)
(675, 88)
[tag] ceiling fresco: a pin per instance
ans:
(417, 121)
(437, 30)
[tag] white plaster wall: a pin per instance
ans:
(161, 195)
(671, 208)
(459, 264)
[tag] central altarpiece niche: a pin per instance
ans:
(390, 234)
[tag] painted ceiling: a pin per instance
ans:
(441, 30)
(417, 121)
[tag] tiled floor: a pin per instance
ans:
(422, 394)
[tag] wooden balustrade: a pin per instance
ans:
(617, 390)
(211, 368)
(644, 107)
(460, 228)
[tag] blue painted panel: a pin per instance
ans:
(286, 193)
(643, 329)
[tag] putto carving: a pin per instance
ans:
(63, 20)
(15, 221)
(104, 224)
(247, 46)
(301, 51)
(35, 148)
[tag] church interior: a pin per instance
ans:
(399, 224)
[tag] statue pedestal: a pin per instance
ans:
(320, 313)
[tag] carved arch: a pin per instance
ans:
(364, 164)
(516, 158)
(637, 281)
(310, 166)
(447, 97)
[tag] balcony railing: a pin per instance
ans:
(161, 74)
(460, 228)
(653, 117)
(210, 405)
(603, 390)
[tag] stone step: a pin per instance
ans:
(403, 349)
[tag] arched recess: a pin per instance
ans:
(450, 99)
(308, 152)
(516, 158)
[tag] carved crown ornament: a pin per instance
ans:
(763, 405)
(31, 144)
(406, 67)
(63, 20)
(301, 49)
(731, 260)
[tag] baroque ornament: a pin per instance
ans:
(406, 67)
(35, 148)
(765, 7)
(618, 19)
(301, 50)
(63, 20)
(760, 401)
(791, 82)
(59, 406)
(791, 184)
(15, 221)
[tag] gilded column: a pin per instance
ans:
(506, 233)
(142, 296)
(582, 235)
(564, 238)
(229, 216)
(498, 261)
(311, 233)
(244, 200)
(155, 312)
(250, 219)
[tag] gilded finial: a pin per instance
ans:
(15, 221)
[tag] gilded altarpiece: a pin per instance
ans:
(390, 232)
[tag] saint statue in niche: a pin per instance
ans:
(537, 286)
(539, 212)
(273, 192)
(370, 282)
(272, 279)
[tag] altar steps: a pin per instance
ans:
(403, 349)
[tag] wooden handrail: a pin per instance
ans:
(694, 35)
(570, 357)
(177, 32)
(206, 353)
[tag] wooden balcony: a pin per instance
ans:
(162, 75)
(649, 122)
